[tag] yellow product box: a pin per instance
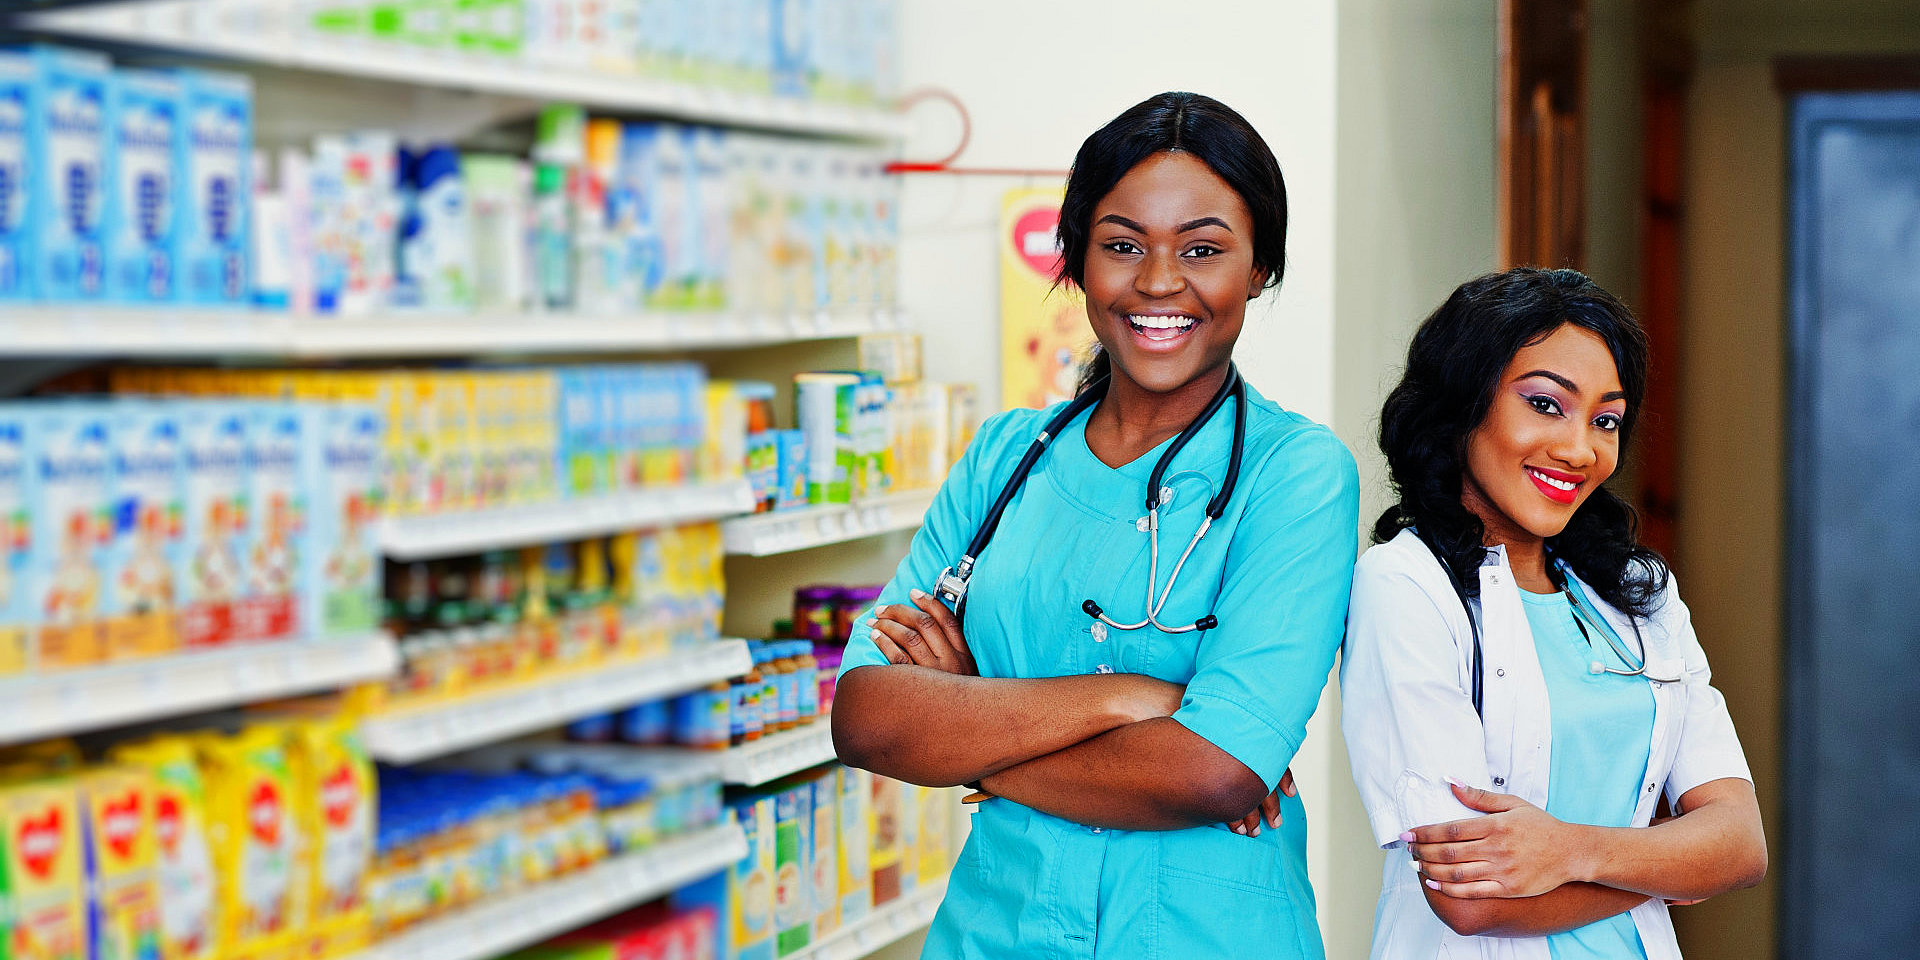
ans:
(823, 860)
(963, 418)
(255, 838)
(409, 422)
(124, 913)
(894, 356)
(936, 833)
(183, 865)
(492, 438)
(750, 882)
(723, 451)
(886, 837)
(457, 444)
(334, 784)
(42, 871)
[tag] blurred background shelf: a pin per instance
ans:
(507, 923)
(132, 332)
(888, 924)
(458, 532)
(765, 534)
(95, 698)
(264, 33)
(429, 731)
(773, 757)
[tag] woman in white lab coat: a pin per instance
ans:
(1520, 681)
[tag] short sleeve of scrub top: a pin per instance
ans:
(1275, 570)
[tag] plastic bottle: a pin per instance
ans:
(717, 731)
(806, 678)
(769, 688)
(744, 723)
(787, 676)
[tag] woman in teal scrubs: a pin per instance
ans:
(1115, 757)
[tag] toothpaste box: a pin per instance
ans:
(18, 101)
(69, 135)
(150, 141)
(17, 611)
(266, 608)
(73, 524)
(214, 438)
(340, 564)
(143, 559)
(216, 241)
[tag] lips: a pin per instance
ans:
(1562, 488)
(1156, 331)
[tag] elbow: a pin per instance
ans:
(1752, 867)
(1468, 918)
(852, 744)
(1224, 791)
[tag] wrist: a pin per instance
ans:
(1584, 859)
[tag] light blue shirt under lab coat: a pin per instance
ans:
(1275, 569)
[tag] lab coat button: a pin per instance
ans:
(1098, 829)
(1500, 672)
(1099, 632)
(1103, 668)
(1650, 787)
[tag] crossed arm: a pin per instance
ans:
(1101, 750)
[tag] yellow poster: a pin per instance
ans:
(1043, 330)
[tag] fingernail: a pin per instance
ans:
(1273, 822)
(1407, 837)
(917, 594)
(1415, 864)
(1457, 783)
(1239, 829)
(1255, 833)
(1433, 884)
(875, 635)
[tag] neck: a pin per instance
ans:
(1134, 416)
(1526, 553)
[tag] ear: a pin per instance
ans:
(1257, 282)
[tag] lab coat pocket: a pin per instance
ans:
(1224, 895)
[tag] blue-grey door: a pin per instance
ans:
(1851, 886)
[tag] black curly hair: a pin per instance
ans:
(1453, 366)
(1194, 123)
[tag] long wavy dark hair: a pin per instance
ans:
(1453, 367)
(1210, 130)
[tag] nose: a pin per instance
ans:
(1160, 276)
(1573, 447)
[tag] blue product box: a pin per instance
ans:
(18, 101)
(790, 448)
(217, 190)
(150, 141)
(792, 53)
(68, 137)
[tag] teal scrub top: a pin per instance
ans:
(1602, 735)
(1275, 569)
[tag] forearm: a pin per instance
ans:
(1564, 908)
(1151, 775)
(941, 729)
(1715, 846)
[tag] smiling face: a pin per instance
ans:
(1551, 437)
(1169, 271)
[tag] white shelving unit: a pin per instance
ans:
(764, 534)
(453, 533)
(430, 731)
(770, 758)
(37, 706)
(266, 33)
(118, 331)
(517, 920)
(886, 925)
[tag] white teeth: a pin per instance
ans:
(1549, 481)
(1161, 323)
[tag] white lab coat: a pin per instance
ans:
(1407, 715)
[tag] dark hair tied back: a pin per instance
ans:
(1453, 368)
(1210, 130)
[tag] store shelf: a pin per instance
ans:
(764, 534)
(120, 331)
(430, 731)
(889, 924)
(459, 532)
(770, 758)
(264, 33)
(43, 705)
(511, 922)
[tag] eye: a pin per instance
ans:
(1608, 422)
(1543, 404)
(1203, 250)
(1122, 247)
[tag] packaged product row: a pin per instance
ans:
(656, 931)
(605, 216)
(824, 849)
(471, 624)
(134, 527)
(832, 50)
(788, 687)
(125, 185)
(493, 821)
(200, 846)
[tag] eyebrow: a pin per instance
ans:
(1569, 385)
(1189, 225)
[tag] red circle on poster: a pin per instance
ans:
(1034, 239)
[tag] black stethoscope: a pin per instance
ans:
(952, 585)
(1636, 665)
